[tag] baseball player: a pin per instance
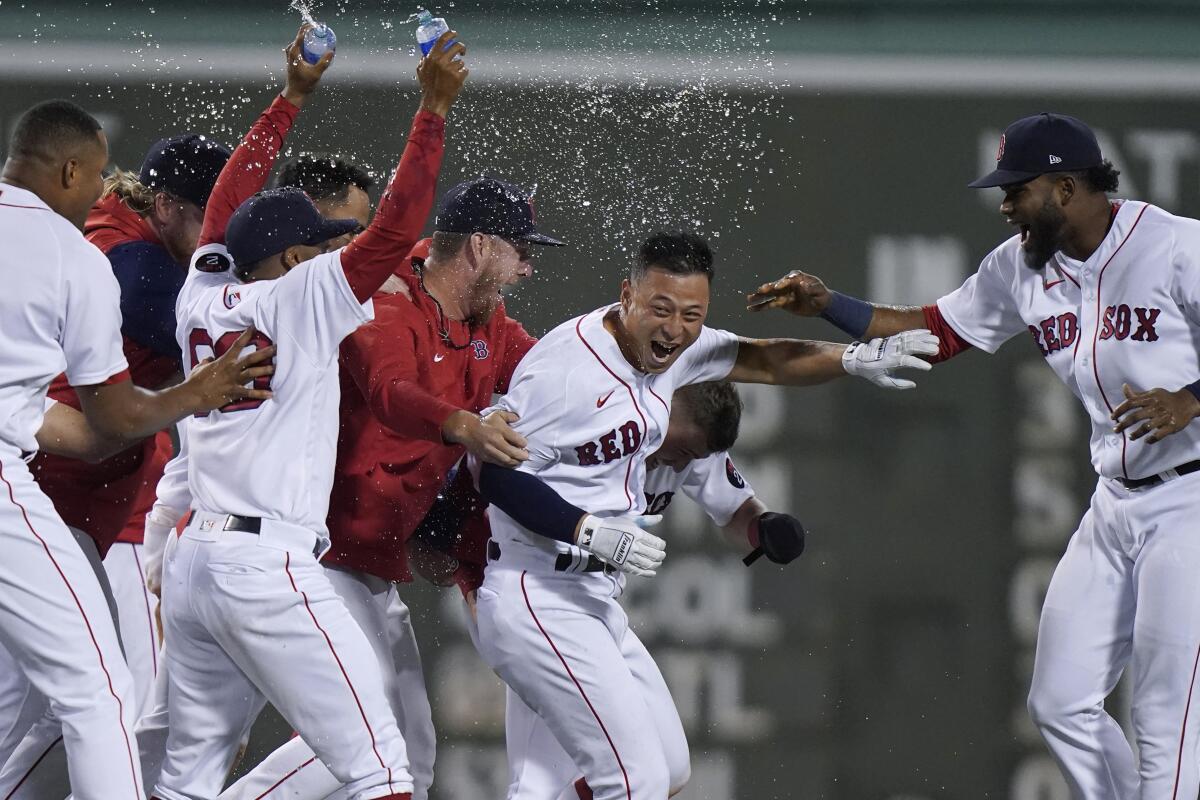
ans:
(250, 615)
(62, 310)
(147, 225)
(413, 382)
(693, 459)
(592, 399)
(1110, 293)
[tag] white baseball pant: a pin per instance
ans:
(293, 771)
(58, 631)
(1125, 593)
(37, 767)
(252, 618)
(562, 642)
(538, 767)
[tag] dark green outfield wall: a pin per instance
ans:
(892, 661)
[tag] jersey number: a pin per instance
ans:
(200, 338)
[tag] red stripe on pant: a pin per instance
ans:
(137, 789)
(287, 562)
(285, 778)
(583, 694)
(34, 766)
(1183, 730)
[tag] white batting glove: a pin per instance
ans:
(875, 360)
(622, 542)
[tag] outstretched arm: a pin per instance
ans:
(66, 432)
(246, 172)
(807, 296)
(383, 366)
(797, 362)
(121, 410)
(370, 259)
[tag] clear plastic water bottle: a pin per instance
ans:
(318, 41)
(429, 28)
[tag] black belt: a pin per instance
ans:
(235, 523)
(563, 563)
(1154, 480)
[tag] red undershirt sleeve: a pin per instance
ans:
(371, 257)
(245, 174)
(950, 343)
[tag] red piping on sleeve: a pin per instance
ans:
(950, 343)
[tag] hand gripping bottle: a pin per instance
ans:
(318, 40)
(429, 28)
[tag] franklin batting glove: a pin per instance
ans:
(623, 542)
(877, 359)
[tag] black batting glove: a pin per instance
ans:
(781, 537)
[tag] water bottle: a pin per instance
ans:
(429, 28)
(318, 41)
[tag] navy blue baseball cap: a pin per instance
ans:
(187, 166)
(1040, 144)
(488, 205)
(272, 221)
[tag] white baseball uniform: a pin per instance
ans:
(539, 767)
(293, 770)
(60, 311)
(1124, 593)
(252, 616)
(554, 632)
(173, 498)
(37, 766)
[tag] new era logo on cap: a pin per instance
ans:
(1039, 144)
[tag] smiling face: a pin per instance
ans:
(1035, 208)
(662, 313)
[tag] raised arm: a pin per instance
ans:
(370, 259)
(248, 168)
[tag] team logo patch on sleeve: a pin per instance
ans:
(213, 262)
(734, 476)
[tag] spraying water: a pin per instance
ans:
(304, 9)
(319, 39)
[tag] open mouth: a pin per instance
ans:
(662, 351)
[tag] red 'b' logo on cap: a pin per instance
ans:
(1000, 152)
